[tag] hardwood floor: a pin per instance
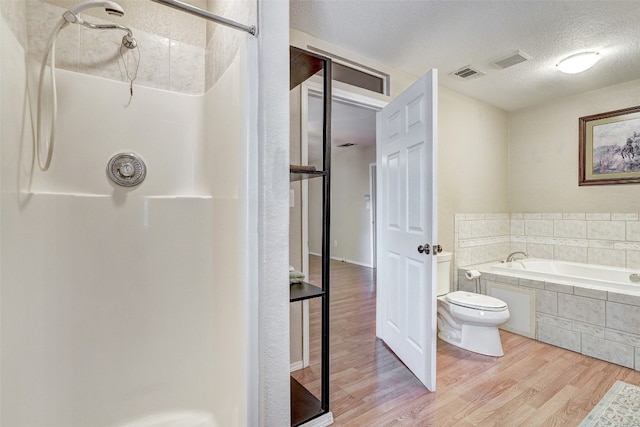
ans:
(533, 384)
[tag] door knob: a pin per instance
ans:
(424, 249)
(437, 249)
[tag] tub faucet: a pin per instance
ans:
(512, 255)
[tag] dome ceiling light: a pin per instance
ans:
(578, 63)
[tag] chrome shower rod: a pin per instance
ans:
(207, 15)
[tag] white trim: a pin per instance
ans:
(373, 202)
(304, 160)
(380, 290)
(350, 261)
(304, 204)
(321, 421)
(305, 334)
(342, 95)
(296, 366)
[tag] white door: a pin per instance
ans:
(407, 220)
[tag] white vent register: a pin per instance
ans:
(468, 72)
(512, 60)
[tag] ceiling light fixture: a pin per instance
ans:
(578, 63)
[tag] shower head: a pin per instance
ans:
(112, 8)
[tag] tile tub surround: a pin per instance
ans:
(611, 239)
(164, 63)
(597, 323)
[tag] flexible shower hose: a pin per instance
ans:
(49, 54)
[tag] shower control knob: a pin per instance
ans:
(126, 169)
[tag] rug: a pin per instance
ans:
(620, 407)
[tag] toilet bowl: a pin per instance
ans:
(466, 319)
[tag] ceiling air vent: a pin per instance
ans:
(467, 73)
(512, 60)
(346, 144)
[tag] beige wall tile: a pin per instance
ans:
(622, 317)
(600, 348)
(583, 309)
(559, 337)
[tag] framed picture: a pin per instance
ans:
(610, 148)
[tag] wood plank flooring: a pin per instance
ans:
(533, 384)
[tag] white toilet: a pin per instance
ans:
(466, 319)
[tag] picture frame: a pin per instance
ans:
(609, 148)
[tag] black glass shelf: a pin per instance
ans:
(304, 405)
(296, 174)
(304, 290)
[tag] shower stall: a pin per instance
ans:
(128, 303)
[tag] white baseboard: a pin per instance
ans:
(296, 366)
(350, 261)
(321, 421)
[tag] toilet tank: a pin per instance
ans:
(444, 272)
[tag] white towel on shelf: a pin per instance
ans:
(295, 277)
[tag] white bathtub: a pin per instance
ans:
(590, 309)
(595, 276)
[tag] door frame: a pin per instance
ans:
(314, 88)
(373, 202)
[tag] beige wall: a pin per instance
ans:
(472, 160)
(349, 213)
(543, 156)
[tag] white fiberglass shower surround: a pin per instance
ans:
(125, 305)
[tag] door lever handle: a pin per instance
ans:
(424, 249)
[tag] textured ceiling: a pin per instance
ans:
(418, 35)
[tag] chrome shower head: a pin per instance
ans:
(114, 12)
(112, 8)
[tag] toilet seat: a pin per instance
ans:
(475, 301)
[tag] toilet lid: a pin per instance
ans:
(478, 301)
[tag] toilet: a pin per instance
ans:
(466, 319)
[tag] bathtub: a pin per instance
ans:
(590, 309)
(595, 276)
